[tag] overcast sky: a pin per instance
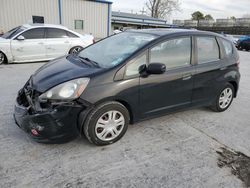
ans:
(217, 8)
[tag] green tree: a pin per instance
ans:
(232, 18)
(208, 17)
(197, 16)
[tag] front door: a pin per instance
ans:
(173, 89)
(31, 47)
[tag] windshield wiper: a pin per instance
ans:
(88, 60)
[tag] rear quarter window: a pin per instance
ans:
(207, 49)
(227, 47)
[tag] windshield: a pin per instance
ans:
(12, 32)
(113, 50)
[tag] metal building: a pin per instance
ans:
(136, 21)
(82, 16)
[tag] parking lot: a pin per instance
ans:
(177, 150)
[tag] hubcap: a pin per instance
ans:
(75, 50)
(226, 98)
(1, 58)
(109, 125)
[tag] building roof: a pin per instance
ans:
(137, 19)
(102, 1)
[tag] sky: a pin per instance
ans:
(217, 8)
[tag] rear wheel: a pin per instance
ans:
(107, 123)
(224, 99)
(75, 49)
(2, 58)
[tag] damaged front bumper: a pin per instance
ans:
(48, 122)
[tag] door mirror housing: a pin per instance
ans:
(20, 37)
(156, 68)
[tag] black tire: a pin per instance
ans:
(2, 55)
(216, 106)
(96, 113)
(75, 49)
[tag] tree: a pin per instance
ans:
(162, 8)
(197, 16)
(232, 18)
(208, 17)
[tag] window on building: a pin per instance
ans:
(38, 19)
(56, 33)
(79, 24)
(208, 49)
(37, 33)
(173, 53)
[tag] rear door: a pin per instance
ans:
(208, 69)
(57, 43)
(32, 48)
(173, 89)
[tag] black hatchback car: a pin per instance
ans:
(125, 78)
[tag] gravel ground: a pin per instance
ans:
(177, 150)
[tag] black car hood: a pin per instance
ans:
(61, 70)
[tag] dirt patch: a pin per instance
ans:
(238, 162)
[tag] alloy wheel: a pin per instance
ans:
(76, 49)
(2, 58)
(225, 98)
(109, 125)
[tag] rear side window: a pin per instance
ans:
(228, 47)
(173, 53)
(56, 33)
(37, 33)
(207, 49)
(72, 35)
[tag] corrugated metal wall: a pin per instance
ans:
(95, 16)
(17, 12)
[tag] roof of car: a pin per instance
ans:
(44, 25)
(162, 32)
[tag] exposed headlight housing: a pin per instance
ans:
(66, 91)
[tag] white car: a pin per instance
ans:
(40, 42)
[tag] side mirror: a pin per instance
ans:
(156, 68)
(20, 37)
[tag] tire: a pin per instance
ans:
(75, 49)
(3, 59)
(220, 105)
(106, 123)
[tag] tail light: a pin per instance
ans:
(238, 63)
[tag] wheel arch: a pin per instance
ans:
(84, 114)
(235, 85)
(5, 56)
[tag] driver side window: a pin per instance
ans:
(173, 53)
(37, 33)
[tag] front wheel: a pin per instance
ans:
(2, 58)
(224, 99)
(107, 123)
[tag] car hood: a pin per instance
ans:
(3, 40)
(61, 70)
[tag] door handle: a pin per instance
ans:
(66, 42)
(187, 77)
